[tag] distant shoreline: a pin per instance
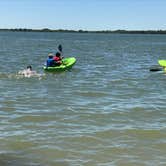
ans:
(84, 31)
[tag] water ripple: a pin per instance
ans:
(108, 110)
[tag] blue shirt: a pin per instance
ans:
(50, 62)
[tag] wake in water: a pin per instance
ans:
(21, 74)
(26, 73)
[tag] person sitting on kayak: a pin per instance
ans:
(57, 59)
(50, 61)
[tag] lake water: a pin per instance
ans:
(108, 110)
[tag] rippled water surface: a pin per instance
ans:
(109, 110)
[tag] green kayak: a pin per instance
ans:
(67, 64)
(162, 63)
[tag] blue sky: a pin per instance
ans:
(84, 14)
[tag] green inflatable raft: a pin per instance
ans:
(67, 63)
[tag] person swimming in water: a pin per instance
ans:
(28, 72)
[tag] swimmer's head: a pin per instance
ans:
(29, 67)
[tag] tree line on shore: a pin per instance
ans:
(86, 31)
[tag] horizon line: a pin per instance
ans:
(159, 31)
